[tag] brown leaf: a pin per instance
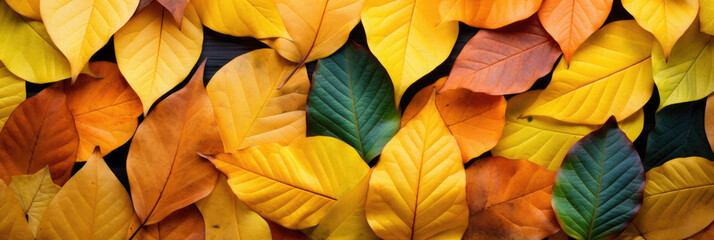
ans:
(176, 7)
(163, 167)
(184, 224)
(105, 109)
(509, 199)
(475, 119)
(279, 232)
(506, 61)
(38, 133)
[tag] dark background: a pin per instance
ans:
(219, 49)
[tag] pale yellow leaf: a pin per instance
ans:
(34, 193)
(241, 18)
(666, 19)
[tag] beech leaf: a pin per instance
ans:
(667, 20)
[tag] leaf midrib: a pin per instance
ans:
(599, 184)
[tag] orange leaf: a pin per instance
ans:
(163, 167)
(184, 224)
(475, 119)
(279, 232)
(509, 199)
(504, 62)
(570, 22)
(489, 14)
(707, 233)
(176, 7)
(105, 110)
(38, 133)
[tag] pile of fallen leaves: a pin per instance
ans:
(265, 151)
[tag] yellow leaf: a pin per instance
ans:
(241, 18)
(666, 19)
(12, 93)
(688, 74)
(610, 74)
(227, 218)
(706, 16)
(545, 141)
(13, 225)
(407, 37)
(93, 204)
(26, 8)
(249, 108)
(295, 185)
(28, 51)
(489, 14)
(418, 187)
(678, 201)
(346, 220)
(34, 193)
(80, 28)
(154, 54)
(317, 29)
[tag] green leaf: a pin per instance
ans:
(352, 99)
(598, 189)
(679, 132)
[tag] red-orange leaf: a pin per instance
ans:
(570, 22)
(105, 109)
(39, 132)
(175, 7)
(184, 224)
(509, 199)
(475, 119)
(163, 167)
(507, 61)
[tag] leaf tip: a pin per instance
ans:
(207, 156)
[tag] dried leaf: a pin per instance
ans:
(707, 233)
(475, 119)
(417, 189)
(281, 233)
(13, 225)
(667, 20)
(177, 9)
(34, 192)
(184, 224)
(154, 54)
(489, 14)
(12, 93)
(163, 167)
(242, 18)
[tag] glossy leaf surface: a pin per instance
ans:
(667, 20)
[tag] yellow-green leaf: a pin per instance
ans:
(408, 38)
(546, 141)
(227, 218)
(678, 201)
(34, 193)
(26, 8)
(13, 225)
(242, 18)
(667, 20)
(250, 110)
(610, 74)
(12, 93)
(295, 185)
(79, 28)
(154, 54)
(28, 51)
(418, 187)
(688, 74)
(706, 16)
(93, 204)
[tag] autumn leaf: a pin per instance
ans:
(709, 121)
(706, 16)
(346, 220)
(177, 8)
(249, 108)
(598, 190)
(610, 74)
(34, 192)
(571, 22)
(707, 233)
(504, 61)
(28, 51)
(679, 132)
(12, 93)
(408, 39)
(667, 20)
(105, 110)
(509, 199)
(417, 189)
(185, 224)
(546, 141)
(490, 14)
(677, 201)
(687, 75)
(475, 119)
(264, 178)
(164, 170)
(352, 99)
(92, 205)
(38, 133)
(80, 28)
(226, 217)
(242, 18)
(26, 8)
(279, 232)
(154, 54)
(13, 224)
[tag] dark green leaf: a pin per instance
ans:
(598, 189)
(352, 99)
